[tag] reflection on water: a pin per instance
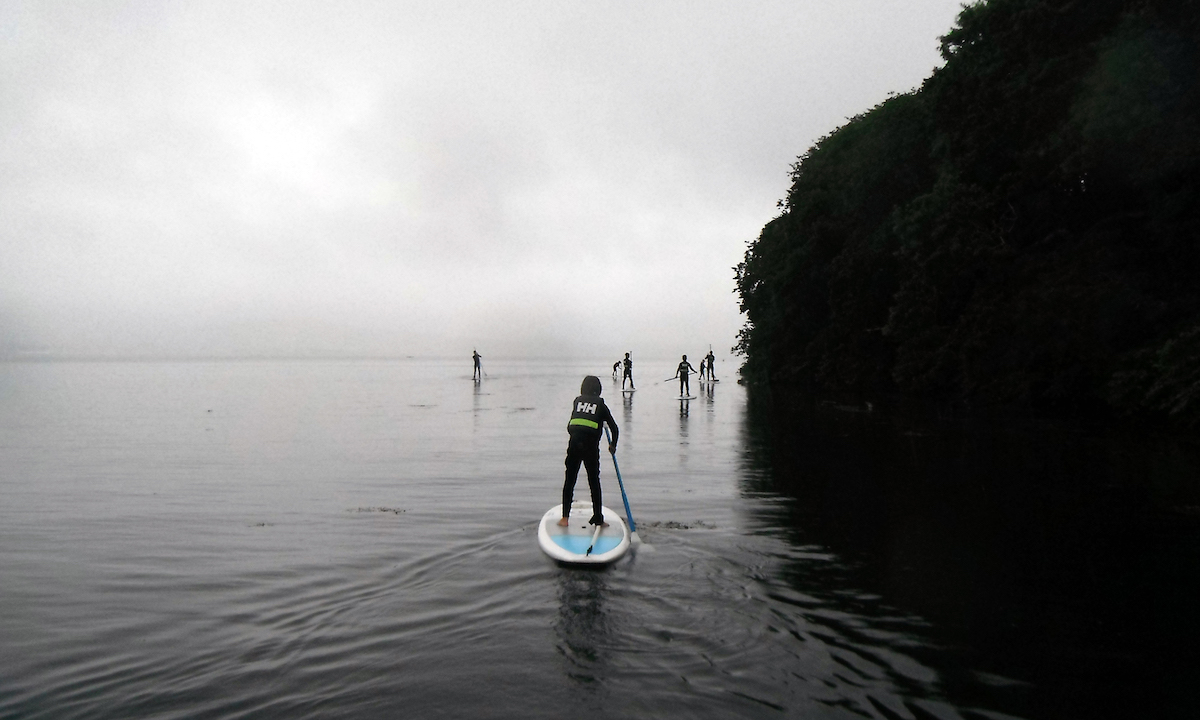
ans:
(1055, 566)
(582, 626)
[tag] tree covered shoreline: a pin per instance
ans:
(1021, 232)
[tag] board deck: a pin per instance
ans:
(686, 397)
(569, 544)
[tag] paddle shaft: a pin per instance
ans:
(621, 483)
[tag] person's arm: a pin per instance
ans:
(612, 425)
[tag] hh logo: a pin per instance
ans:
(585, 407)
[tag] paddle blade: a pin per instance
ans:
(635, 541)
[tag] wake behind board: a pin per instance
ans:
(570, 544)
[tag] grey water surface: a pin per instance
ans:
(319, 539)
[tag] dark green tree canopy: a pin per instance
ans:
(1021, 231)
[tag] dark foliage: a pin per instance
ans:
(1021, 232)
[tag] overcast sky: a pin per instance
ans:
(393, 178)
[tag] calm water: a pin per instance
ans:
(358, 539)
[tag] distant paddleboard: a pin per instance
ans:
(687, 397)
(570, 544)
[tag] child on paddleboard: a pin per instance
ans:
(588, 412)
(628, 362)
(685, 387)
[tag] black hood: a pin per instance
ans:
(590, 386)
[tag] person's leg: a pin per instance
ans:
(591, 463)
(568, 494)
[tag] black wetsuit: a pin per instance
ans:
(682, 372)
(628, 373)
(588, 413)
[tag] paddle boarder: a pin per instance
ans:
(588, 413)
(712, 365)
(682, 373)
(628, 362)
(478, 374)
(616, 369)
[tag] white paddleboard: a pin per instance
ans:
(630, 390)
(570, 544)
(686, 397)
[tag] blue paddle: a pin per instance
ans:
(633, 536)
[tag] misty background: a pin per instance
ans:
(231, 179)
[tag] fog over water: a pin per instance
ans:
(533, 178)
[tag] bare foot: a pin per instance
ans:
(563, 522)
